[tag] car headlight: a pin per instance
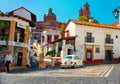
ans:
(71, 62)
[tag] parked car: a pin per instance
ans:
(71, 61)
(57, 63)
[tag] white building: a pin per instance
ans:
(49, 36)
(91, 42)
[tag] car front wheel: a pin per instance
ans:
(75, 65)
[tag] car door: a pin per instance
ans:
(77, 60)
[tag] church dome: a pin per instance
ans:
(50, 15)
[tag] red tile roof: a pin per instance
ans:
(16, 16)
(32, 14)
(64, 38)
(95, 24)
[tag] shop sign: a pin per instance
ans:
(2, 42)
(19, 44)
(11, 43)
(21, 25)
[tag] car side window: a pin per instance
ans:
(76, 58)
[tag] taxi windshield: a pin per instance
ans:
(67, 57)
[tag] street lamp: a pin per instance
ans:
(116, 13)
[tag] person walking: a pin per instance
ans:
(33, 62)
(8, 60)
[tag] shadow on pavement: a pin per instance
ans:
(27, 70)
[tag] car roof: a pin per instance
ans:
(70, 55)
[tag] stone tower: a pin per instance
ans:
(50, 16)
(85, 11)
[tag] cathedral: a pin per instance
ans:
(85, 11)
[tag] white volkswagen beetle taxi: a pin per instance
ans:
(71, 61)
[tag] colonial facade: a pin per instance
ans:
(14, 37)
(49, 36)
(91, 42)
(15, 31)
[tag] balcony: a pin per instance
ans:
(89, 39)
(108, 41)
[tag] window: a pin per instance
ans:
(56, 37)
(89, 37)
(4, 30)
(97, 50)
(19, 32)
(87, 8)
(42, 39)
(76, 58)
(49, 38)
(108, 36)
(108, 39)
(117, 36)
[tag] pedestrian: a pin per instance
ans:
(119, 59)
(33, 62)
(8, 60)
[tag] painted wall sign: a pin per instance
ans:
(19, 44)
(11, 43)
(21, 25)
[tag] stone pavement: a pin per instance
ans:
(103, 74)
(94, 71)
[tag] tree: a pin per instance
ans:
(83, 18)
(52, 53)
(95, 21)
(4, 24)
(62, 27)
(86, 19)
(4, 28)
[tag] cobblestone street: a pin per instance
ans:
(97, 74)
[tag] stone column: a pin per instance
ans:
(11, 37)
(45, 40)
(52, 37)
(63, 52)
(56, 48)
(25, 50)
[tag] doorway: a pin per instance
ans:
(70, 51)
(89, 55)
(19, 59)
(108, 55)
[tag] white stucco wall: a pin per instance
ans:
(50, 32)
(99, 35)
(71, 28)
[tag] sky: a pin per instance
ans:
(65, 9)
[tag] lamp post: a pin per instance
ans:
(116, 13)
